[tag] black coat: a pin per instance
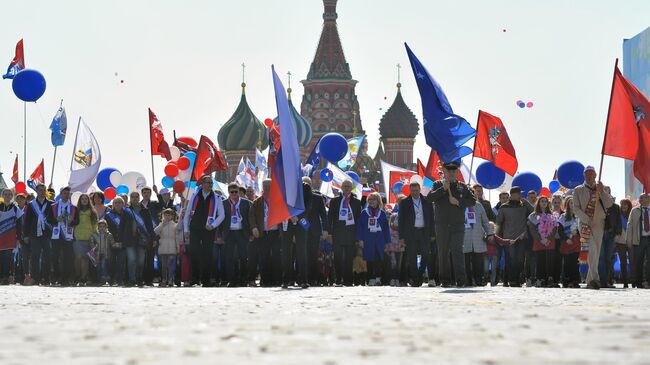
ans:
(244, 207)
(336, 226)
(317, 215)
(406, 218)
(31, 218)
(447, 213)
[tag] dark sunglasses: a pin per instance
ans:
(234, 192)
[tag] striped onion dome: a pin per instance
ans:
(243, 130)
(300, 124)
(399, 121)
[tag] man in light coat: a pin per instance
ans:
(594, 220)
(638, 236)
(477, 228)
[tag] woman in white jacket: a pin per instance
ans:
(168, 247)
(477, 231)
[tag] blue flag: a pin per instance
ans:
(354, 146)
(444, 131)
(314, 159)
(59, 127)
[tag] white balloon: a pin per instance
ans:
(75, 197)
(418, 179)
(135, 181)
(175, 152)
(115, 178)
(184, 175)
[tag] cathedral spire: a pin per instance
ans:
(330, 10)
(329, 61)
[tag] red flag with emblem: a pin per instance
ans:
(493, 144)
(159, 146)
(208, 159)
(433, 170)
(627, 134)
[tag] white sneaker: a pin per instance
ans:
(432, 283)
(372, 282)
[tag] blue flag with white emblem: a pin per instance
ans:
(313, 161)
(444, 131)
(59, 127)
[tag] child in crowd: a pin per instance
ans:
(101, 242)
(168, 247)
(492, 255)
(359, 267)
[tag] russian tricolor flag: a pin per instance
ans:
(285, 198)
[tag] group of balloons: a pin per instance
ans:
(112, 182)
(569, 175)
(522, 104)
(178, 171)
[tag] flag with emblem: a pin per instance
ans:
(159, 146)
(18, 63)
(38, 176)
(493, 144)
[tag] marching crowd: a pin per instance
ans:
(450, 237)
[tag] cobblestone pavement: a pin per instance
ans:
(358, 325)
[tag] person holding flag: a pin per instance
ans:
(451, 199)
(344, 211)
(37, 232)
(10, 216)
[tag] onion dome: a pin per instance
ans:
(399, 121)
(300, 124)
(243, 131)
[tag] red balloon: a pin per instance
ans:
(178, 187)
(268, 122)
(406, 190)
(21, 187)
(183, 163)
(171, 169)
(545, 192)
(188, 141)
(110, 193)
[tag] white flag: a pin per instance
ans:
(329, 188)
(86, 159)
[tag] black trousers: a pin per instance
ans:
(343, 239)
(474, 267)
(262, 254)
(313, 247)
(148, 269)
(418, 244)
(545, 265)
(63, 261)
(294, 249)
(571, 269)
(625, 255)
(236, 257)
(450, 242)
(201, 252)
(41, 253)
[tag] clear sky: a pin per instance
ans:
(183, 59)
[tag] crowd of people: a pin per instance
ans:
(450, 237)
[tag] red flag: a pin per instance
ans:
(14, 177)
(18, 63)
(434, 168)
(159, 146)
(493, 144)
(627, 134)
(38, 176)
(421, 169)
(396, 176)
(208, 159)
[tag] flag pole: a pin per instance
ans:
(471, 164)
(153, 175)
(53, 162)
(609, 109)
(24, 141)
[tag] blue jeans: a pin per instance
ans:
(135, 263)
(515, 261)
(103, 269)
(606, 256)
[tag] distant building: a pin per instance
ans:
(636, 68)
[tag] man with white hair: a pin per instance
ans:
(345, 210)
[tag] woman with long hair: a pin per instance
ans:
(569, 246)
(622, 249)
(543, 228)
(85, 225)
(97, 199)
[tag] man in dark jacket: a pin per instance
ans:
(236, 233)
(150, 212)
(265, 250)
(613, 227)
(37, 232)
(344, 211)
(294, 245)
(416, 231)
(317, 219)
(478, 193)
(451, 198)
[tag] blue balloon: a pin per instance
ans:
(528, 181)
(353, 175)
(104, 178)
(490, 176)
(570, 174)
(333, 147)
(29, 85)
(191, 184)
(397, 187)
(326, 175)
(167, 182)
(190, 156)
(554, 186)
(122, 189)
